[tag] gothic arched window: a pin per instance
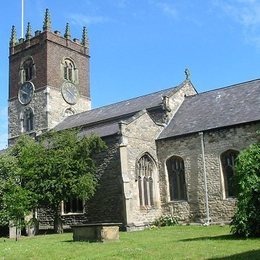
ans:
(228, 168)
(28, 120)
(176, 175)
(70, 72)
(69, 112)
(27, 70)
(145, 171)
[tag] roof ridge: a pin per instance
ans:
(105, 106)
(226, 87)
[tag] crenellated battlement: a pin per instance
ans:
(39, 37)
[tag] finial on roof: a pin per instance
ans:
(187, 74)
(84, 40)
(13, 38)
(28, 34)
(67, 31)
(47, 21)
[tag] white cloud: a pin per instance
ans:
(83, 20)
(245, 13)
(167, 8)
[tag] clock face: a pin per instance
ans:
(70, 93)
(26, 92)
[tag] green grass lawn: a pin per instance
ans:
(179, 242)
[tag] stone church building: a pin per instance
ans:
(169, 152)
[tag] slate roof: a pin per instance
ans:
(102, 130)
(223, 107)
(103, 120)
(2, 151)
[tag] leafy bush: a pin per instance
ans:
(166, 220)
(246, 221)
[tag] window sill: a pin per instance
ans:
(230, 198)
(142, 208)
(178, 201)
(72, 213)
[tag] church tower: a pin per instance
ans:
(48, 79)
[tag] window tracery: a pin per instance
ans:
(145, 178)
(228, 169)
(176, 175)
(28, 120)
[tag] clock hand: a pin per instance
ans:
(72, 94)
(24, 92)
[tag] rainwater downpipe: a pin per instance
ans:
(205, 178)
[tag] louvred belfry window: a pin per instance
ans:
(69, 71)
(27, 70)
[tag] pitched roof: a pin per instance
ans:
(223, 107)
(122, 110)
(3, 151)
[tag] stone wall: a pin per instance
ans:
(47, 51)
(107, 205)
(16, 109)
(56, 106)
(188, 147)
(139, 138)
(161, 115)
(46, 220)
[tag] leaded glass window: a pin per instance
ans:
(145, 170)
(228, 168)
(28, 120)
(176, 176)
(73, 205)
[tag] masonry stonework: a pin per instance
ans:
(173, 122)
(189, 148)
(47, 51)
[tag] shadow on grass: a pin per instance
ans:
(82, 241)
(68, 241)
(223, 237)
(253, 254)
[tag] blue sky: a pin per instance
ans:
(142, 46)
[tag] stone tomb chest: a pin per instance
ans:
(99, 232)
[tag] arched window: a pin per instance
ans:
(70, 72)
(28, 120)
(69, 112)
(228, 168)
(27, 70)
(176, 175)
(145, 170)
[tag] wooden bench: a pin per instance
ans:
(99, 232)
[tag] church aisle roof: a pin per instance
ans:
(236, 104)
(120, 110)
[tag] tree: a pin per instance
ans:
(246, 221)
(66, 169)
(56, 168)
(15, 201)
